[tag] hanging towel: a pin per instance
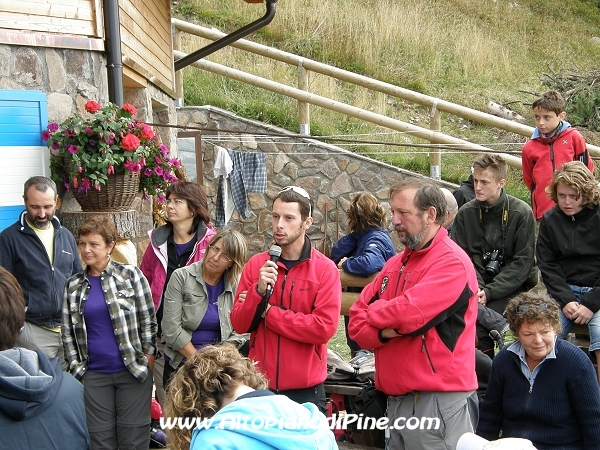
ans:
(223, 163)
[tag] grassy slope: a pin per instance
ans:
(463, 51)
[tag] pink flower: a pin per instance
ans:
(55, 146)
(129, 165)
(146, 132)
(110, 170)
(85, 184)
(89, 131)
(52, 127)
(45, 135)
(92, 107)
(160, 198)
(158, 160)
(98, 187)
(79, 169)
(129, 108)
(72, 149)
(163, 149)
(158, 171)
(75, 182)
(176, 162)
(130, 142)
(148, 172)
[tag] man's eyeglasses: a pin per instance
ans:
(540, 307)
(175, 201)
(217, 251)
(298, 190)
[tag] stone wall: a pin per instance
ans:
(330, 174)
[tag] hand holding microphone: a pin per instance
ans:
(274, 254)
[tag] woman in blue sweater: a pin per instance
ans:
(541, 388)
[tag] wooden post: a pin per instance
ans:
(435, 157)
(178, 74)
(303, 107)
(125, 221)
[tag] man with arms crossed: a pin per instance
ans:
(419, 316)
(290, 326)
(41, 254)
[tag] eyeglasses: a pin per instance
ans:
(298, 190)
(217, 251)
(540, 307)
(175, 201)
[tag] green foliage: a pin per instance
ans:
(86, 149)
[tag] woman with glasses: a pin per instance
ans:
(180, 242)
(199, 298)
(541, 388)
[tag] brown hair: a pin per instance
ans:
(547, 314)
(577, 176)
(289, 195)
(550, 101)
(197, 389)
(101, 225)
(365, 213)
(428, 195)
(12, 309)
(195, 196)
(495, 163)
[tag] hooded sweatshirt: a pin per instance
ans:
(263, 421)
(41, 406)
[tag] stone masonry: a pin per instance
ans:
(330, 175)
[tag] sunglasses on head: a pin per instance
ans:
(298, 190)
(540, 307)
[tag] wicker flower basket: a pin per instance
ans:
(118, 194)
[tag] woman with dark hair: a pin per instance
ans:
(366, 248)
(541, 388)
(220, 386)
(199, 298)
(180, 242)
(109, 334)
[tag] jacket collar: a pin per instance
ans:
(440, 235)
(162, 233)
(496, 206)
(25, 226)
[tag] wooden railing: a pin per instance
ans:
(304, 97)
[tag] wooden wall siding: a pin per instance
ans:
(73, 17)
(147, 41)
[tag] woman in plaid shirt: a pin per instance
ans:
(109, 334)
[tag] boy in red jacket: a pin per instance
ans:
(552, 144)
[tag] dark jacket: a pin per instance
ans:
(40, 405)
(568, 252)
(23, 254)
(366, 251)
(561, 410)
(519, 271)
(465, 192)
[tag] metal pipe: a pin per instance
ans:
(226, 40)
(114, 58)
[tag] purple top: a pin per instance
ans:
(209, 330)
(103, 350)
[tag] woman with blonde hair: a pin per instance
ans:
(568, 249)
(225, 390)
(199, 298)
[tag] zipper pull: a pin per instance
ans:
(422, 343)
(530, 388)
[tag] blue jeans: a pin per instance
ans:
(593, 325)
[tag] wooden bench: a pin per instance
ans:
(347, 280)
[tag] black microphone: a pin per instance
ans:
(274, 254)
